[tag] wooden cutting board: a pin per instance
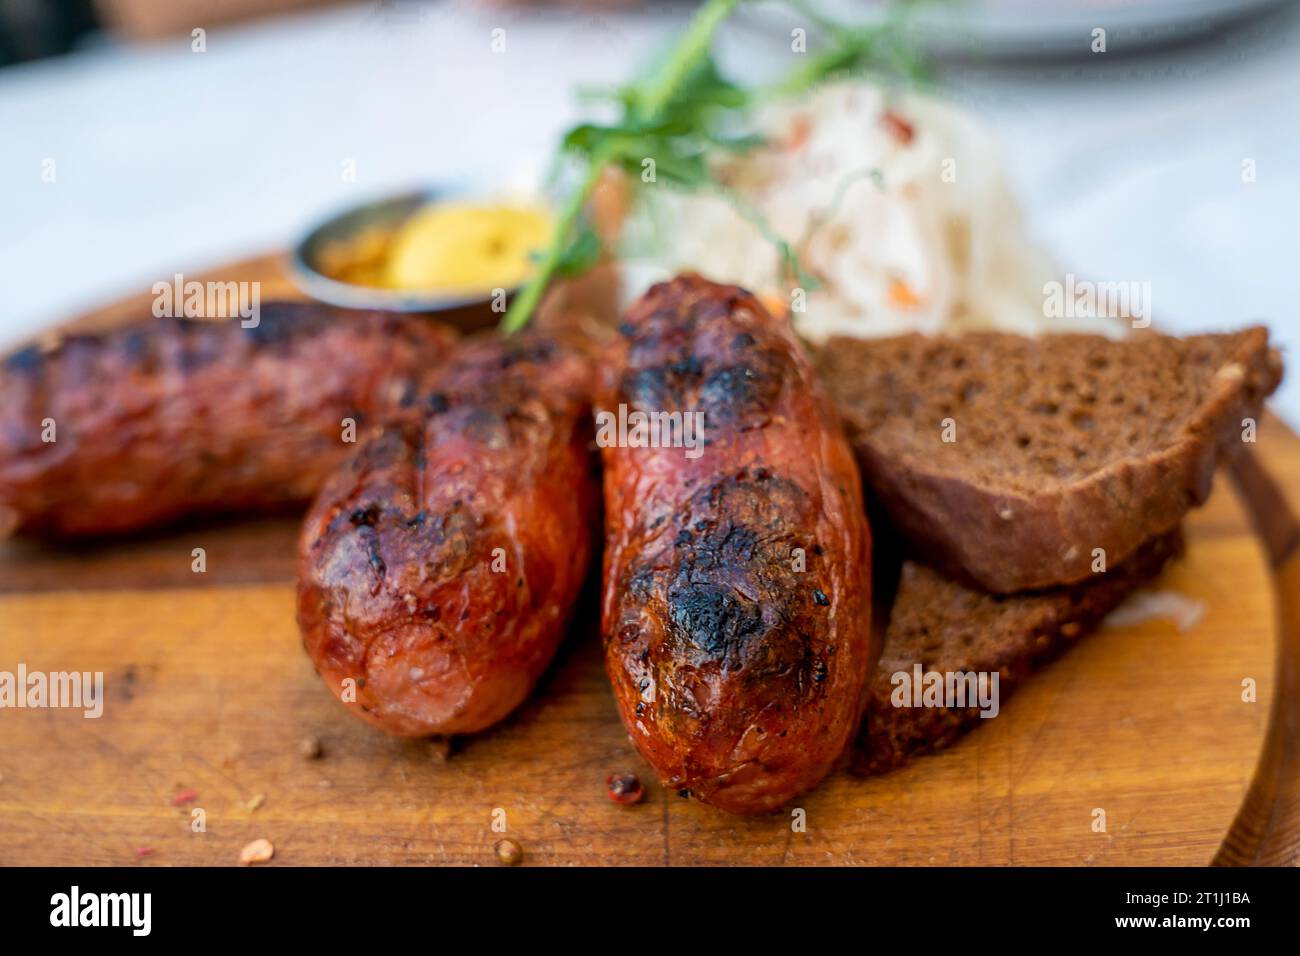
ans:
(208, 691)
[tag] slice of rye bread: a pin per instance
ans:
(950, 628)
(1063, 444)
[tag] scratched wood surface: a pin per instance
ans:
(208, 691)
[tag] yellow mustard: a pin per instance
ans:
(467, 247)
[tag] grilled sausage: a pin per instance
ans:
(439, 567)
(174, 417)
(736, 603)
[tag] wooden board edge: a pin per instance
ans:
(1266, 830)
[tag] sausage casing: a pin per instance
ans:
(737, 595)
(172, 417)
(438, 568)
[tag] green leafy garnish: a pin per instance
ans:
(581, 254)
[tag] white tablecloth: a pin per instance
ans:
(165, 158)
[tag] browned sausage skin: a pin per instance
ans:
(440, 566)
(171, 417)
(736, 612)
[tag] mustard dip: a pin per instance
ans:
(466, 247)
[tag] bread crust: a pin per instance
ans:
(947, 627)
(1008, 541)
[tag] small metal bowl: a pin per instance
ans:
(309, 271)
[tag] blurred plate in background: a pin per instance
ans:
(1043, 27)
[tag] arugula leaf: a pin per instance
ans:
(582, 253)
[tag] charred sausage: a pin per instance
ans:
(439, 567)
(173, 417)
(736, 597)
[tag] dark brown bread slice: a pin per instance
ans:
(950, 628)
(1064, 443)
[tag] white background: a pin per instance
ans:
(1129, 166)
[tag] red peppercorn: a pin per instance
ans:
(508, 852)
(624, 788)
